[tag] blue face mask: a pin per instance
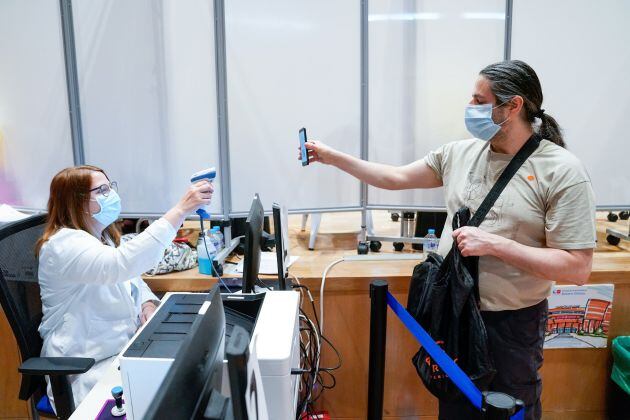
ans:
(110, 208)
(479, 122)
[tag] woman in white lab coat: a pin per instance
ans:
(93, 298)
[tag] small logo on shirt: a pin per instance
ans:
(530, 177)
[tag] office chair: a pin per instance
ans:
(20, 299)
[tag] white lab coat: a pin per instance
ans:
(92, 295)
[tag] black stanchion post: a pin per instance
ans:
(499, 406)
(378, 337)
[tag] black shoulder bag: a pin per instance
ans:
(444, 299)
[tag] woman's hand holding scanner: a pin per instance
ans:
(474, 242)
(197, 195)
(207, 175)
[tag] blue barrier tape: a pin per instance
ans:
(440, 357)
(454, 372)
(519, 415)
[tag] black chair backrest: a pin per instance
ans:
(19, 290)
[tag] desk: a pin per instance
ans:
(569, 392)
(102, 391)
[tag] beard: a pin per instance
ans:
(501, 137)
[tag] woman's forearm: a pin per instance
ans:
(175, 216)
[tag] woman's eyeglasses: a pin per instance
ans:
(105, 189)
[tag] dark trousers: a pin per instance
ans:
(516, 342)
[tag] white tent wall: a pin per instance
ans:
(148, 92)
(192, 97)
(292, 64)
(148, 96)
(579, 48)
(424, 59)
(35, 140)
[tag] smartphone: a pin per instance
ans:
(303, 141)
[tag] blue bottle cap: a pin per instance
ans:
(117, 391)
(431, 231)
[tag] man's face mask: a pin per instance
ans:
(479, 122)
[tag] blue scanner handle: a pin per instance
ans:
(210, 174)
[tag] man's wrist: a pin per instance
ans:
(500, 245)
(334, 157)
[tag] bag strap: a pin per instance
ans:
(510, 170)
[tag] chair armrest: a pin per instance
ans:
(56, 366)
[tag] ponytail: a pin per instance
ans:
(550, 130)
(515, 78)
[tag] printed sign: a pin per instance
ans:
(579, 316)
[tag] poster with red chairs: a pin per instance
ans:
(579, 316)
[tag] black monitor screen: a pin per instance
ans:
(281, 253)
(253, 234)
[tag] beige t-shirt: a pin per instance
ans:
(548, 203)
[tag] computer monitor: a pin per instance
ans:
(247, 392)
(279, 229)
(237, 355)
(195, 376)
(253, 233)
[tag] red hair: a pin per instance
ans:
(68, 201)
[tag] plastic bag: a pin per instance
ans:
(444, 299)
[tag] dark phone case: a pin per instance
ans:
(305, 140)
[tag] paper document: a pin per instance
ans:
(268, 263)
(9, 214)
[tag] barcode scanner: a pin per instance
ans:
(209, 174)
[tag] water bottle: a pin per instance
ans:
(221, 239)
(205, 253)
(216, 238)
(211, 239)
(431, 242)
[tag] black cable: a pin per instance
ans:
(340, 361)
(313, 362)
(319, 329)
(205, 244)
(261, 283)
(310, 296)
(315, 379)
(304, 381)
(333, 379)
(297, 286)
(308, 379)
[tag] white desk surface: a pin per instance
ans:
(102, 391)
